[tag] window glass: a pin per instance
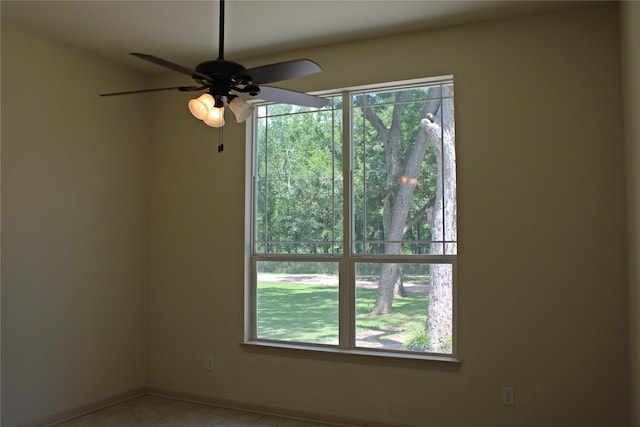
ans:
(297, 301)
(405, 328)
(299, 180)
(404, 172)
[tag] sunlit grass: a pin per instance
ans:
(309, 313)
(388, 331)
(298, 312)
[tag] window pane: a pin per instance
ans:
(406, 307)
(299, 180)
(404, 184)
(298, 301)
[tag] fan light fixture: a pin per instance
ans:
(241, 109)
(211, 110)
(225, 82)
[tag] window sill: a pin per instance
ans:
(387, 358)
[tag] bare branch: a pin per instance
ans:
(376, 122)
(398, 108)
(425, 211)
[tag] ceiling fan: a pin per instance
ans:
(226, 82)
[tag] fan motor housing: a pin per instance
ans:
(219, 67)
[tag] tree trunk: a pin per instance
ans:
(439, 325)
(397, 210)
(398, 288)
(384, 293)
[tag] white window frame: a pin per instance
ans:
(347, 260)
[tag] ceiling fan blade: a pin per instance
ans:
(170, 65)
(180, 88)
(282, 71)
(286, 96)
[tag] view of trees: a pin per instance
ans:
(299, 186)
(402, 197)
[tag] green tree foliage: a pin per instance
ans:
(299, 180)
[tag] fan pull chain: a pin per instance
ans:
(220, 139)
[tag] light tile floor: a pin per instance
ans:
(160, 412)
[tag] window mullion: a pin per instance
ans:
(347, 275)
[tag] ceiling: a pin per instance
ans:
(186, 32)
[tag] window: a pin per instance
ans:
(353, 221)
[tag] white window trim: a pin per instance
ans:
(346, 260)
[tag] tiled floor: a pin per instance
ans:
(160, 412)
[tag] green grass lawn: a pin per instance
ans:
(309, 313)
(298, 312)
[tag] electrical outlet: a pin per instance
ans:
(508, 396)
(209, 363)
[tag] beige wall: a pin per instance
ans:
(631, 45)
(74, 215)
(542, 266)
